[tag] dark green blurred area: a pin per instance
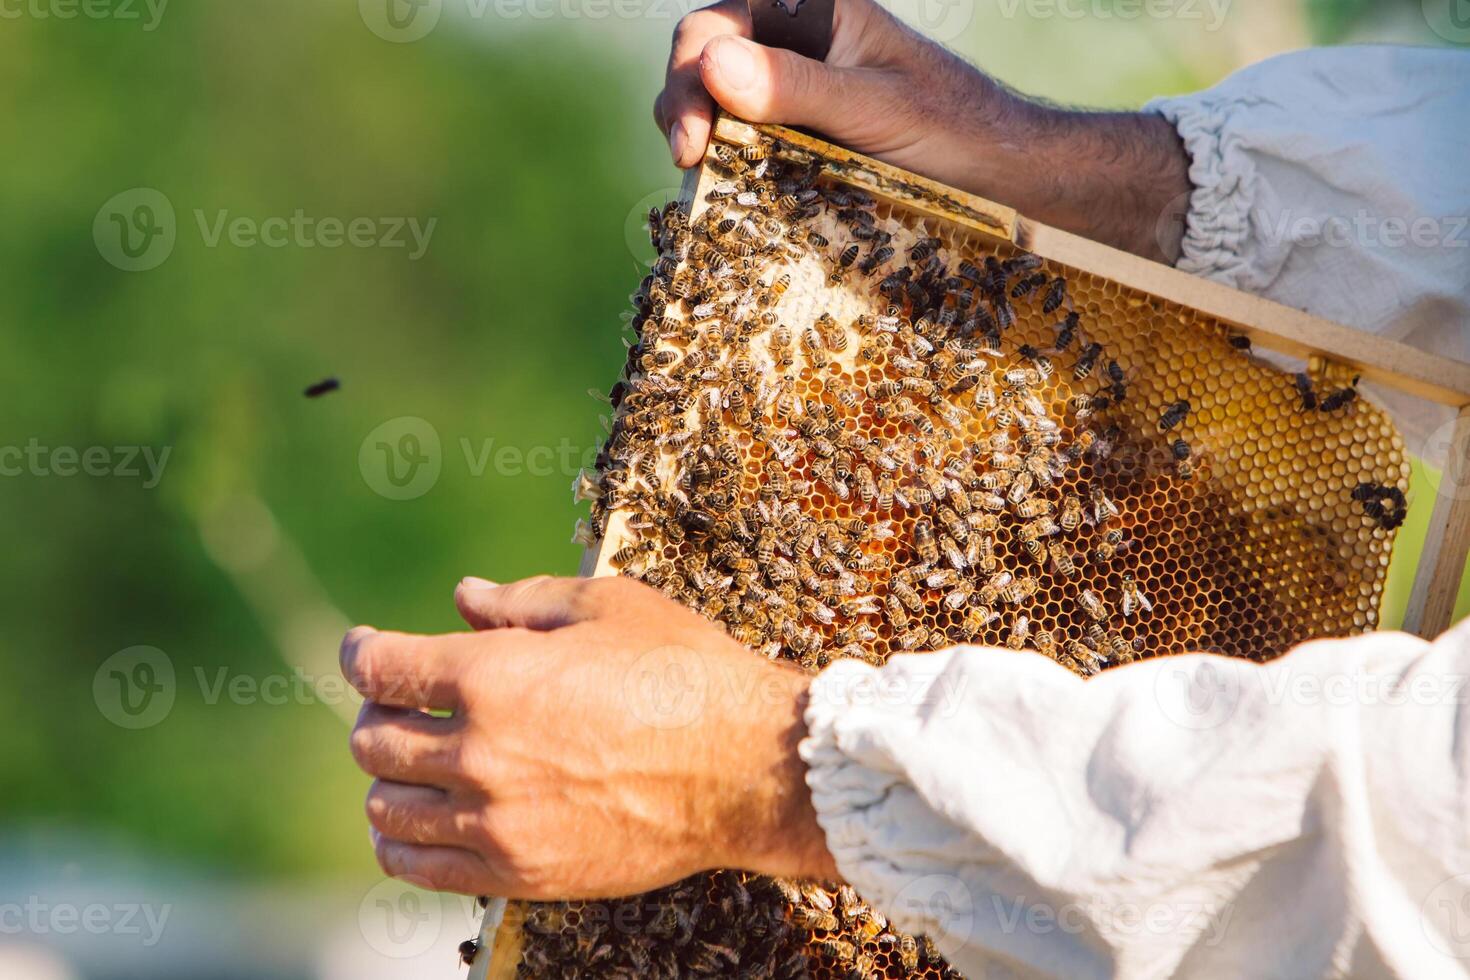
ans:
(531, 146)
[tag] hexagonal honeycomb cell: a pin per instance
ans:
(851, 429)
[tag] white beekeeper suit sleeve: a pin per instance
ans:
(1190, 816)
(1198, 816)
(1337, 181)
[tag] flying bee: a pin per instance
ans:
(1133, 598)
(1306, 392)
(1087, 361)
(1019, 634)
(1092, 606)
(1173, 415)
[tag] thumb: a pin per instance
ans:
(541, 603)
(773, 85)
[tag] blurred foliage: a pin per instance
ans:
(532, 147)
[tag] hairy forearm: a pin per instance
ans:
(763, 819)
(1108, 176)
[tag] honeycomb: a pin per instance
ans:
(850, 428)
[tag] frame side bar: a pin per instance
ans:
(1442, 563)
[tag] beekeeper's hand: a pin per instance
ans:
(603, 740)
(888, 92)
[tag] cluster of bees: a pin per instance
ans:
(841, 434)
(828, 483)
(877, 415)
(724, 924)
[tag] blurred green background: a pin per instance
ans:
(522, 129)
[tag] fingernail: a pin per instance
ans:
(678, 142)
(736, 65)
(470, 582)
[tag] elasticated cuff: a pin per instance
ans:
(1219, 234)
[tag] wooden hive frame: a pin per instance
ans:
(1269, 325)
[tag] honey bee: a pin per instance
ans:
(1071, 515)
(849, 256)
(1020, 632)
(897, 614)
(1061, 560)
(1087, 361)
(924, 541)
(1056, 295)
(1103, 509)
(1108, 547)
(913, 639)
(985, 559)
(1173, 415)
(908, 952)
(1045, 643)
(1019, 590)
(1034, 507)
(1306, 392)
(818, 920)
(1067, 331)
(1133, 598)
(1341, 398)
(977, 619)
(1092, 606)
